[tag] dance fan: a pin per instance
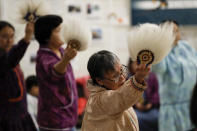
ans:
(30, 10)
(150, 43)
(77, 33)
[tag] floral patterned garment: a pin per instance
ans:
(177, 75)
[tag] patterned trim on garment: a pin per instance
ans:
(55, 129)
(132, 118)
(175, 103)
(137, 85)
(21, 88)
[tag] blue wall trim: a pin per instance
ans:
(182, 16)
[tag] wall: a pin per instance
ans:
(182, 11)
(1, 9)
(113, 33)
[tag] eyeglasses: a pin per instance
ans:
(123, 71)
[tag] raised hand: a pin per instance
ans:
(141, 72)
(69, 53)
(29, 31)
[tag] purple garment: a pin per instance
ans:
(57, 102)
(151, 93)
(13, 104)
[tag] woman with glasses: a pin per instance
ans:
(13, 104)
(109, 107)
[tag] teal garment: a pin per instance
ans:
(177, 75)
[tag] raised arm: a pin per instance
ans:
(10, 59)
(116, 101)
(69, 54)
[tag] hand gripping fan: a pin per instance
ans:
(150, 43)
(77, 33)
(30, 10)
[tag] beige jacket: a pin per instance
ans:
(111, 110)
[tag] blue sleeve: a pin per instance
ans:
(189, 48)
(160, 68)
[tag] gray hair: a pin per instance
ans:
(100, 63)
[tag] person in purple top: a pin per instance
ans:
(148, 108)
(57, 102)
(13, 104)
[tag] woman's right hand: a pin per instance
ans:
(29, 31)
(141, 72)
(69, 53)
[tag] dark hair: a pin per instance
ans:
(193, 107)
(30, 82)
(44, 27)
(4, 24)
(170, 20)
(100, 63)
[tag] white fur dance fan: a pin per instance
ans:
(150, 43)
(30, 10)
(78, 31)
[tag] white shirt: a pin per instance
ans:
(32, 103)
